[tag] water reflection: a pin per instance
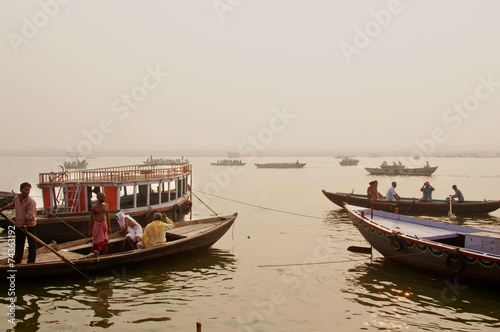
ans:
(146, 294)
(404, 297)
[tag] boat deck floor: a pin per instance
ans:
(419, 231)
(193, 229)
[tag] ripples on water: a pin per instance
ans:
(403, 297)
(135, 296)
(227, 287)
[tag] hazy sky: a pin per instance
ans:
(236, 75)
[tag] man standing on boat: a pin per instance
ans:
(99, 225)
(25, 207)
(391, 193)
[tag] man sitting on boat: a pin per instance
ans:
(131, 227)
(391, 193)
(458, 194)
(155, 231)
(372, 192)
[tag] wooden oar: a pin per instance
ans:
(363, 250)
(47, 246)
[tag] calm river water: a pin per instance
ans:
(259, 276)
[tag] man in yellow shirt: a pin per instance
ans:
(155, 231)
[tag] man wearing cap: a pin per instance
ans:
(131, 227)
(155, 231)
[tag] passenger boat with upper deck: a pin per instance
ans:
(136, 190)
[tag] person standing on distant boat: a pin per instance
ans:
(427, 190)
(99, 225)
(391, 193)
(372, 192)
(25, 207)
(458, 194)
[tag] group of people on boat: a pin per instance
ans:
(399, 164)
(153, 235)
(391, 195)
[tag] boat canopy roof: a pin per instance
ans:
(119, 175)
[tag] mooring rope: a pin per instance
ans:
(208, 207)
(261, 207)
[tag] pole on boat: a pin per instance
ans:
(47, 246)
(198, 326)
(450, 213)
(83, 235)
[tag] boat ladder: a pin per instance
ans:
(71, 200)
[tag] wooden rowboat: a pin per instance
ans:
(281, 165)
(451, 250)
(400, 169)
(413, 206)
(187, 237)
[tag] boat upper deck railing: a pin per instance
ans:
(116, 174)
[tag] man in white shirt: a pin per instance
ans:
(391, 193)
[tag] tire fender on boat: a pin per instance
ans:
(187, 206)
(149, 217)
(455, 262)
(396, 241)
(176, 212)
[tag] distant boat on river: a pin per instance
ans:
(348, 162)
(400, 169)
(281, 165)
(77, 164)
(226, 162)
(162, 161)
